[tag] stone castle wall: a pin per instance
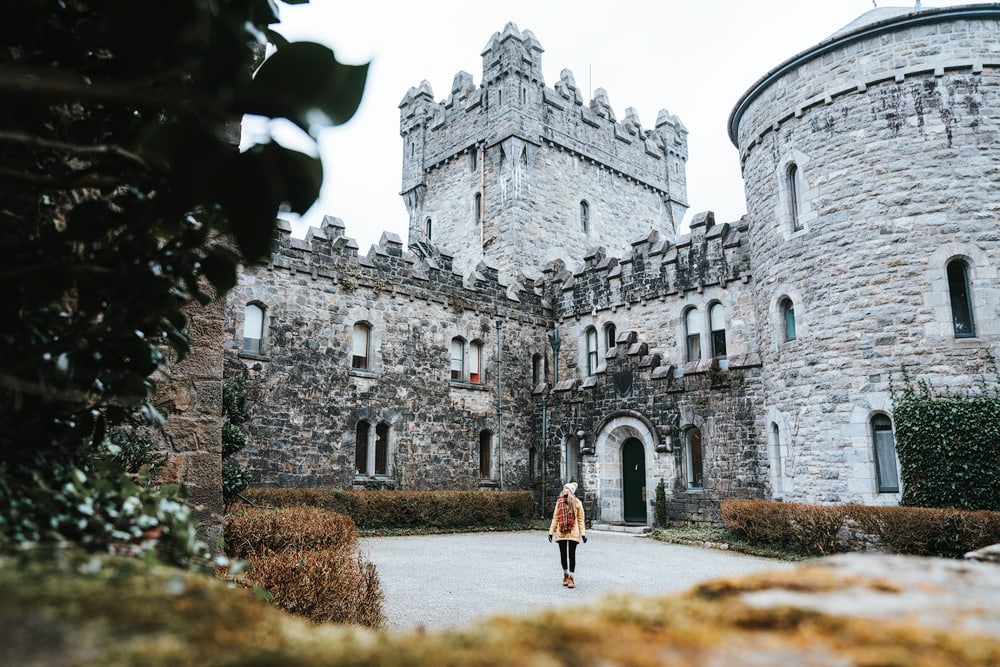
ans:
(895, 140)
(534, 153)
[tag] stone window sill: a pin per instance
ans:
(460, 384)
(362, 373)
(254, 357)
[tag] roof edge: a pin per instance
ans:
(918, 17)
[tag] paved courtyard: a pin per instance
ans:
(438, 582)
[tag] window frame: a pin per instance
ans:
(610, 333)
(590, 349)
(258, 329)
(694, 467)
(692, 334)
(585, 216)
(361, 362)
(475, 362)
(884, 448)
(789, 325)
(457, 344)
(716, 340)
(793, 186)
(485, 454)
(537, 369)
(960, 298)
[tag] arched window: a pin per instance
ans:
(382, 449)
(788, 318)
(793, 181)
(692, 334)
(361, 447)
(585, 217)
(717, 319)
(693, 459)
(609, 335)
(961, 299)
(885, 454)
(475, 361)
(537, 370)
(474, 159)
(485, 454)
(253, 328)
(477, 204)
(457, 359)
(591, 346)
(360, 346)
(428, 228)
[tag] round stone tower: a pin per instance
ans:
(872, 172)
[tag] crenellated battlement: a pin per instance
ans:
(711, 254)
(326, 253)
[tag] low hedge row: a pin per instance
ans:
(827, 529)
(376, 510)
(309, 562)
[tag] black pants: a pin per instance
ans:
(567, 555)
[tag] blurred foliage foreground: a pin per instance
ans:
(124, 200)
(108, 612)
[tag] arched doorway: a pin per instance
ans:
(634, 481)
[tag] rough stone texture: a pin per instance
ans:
(894, 129)
(893, 125)
(534, 153)
(189, 393)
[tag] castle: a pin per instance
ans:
(546, 320)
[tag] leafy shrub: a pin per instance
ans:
(235, 478)
(410, 509)
(947, 448)
(660, 504)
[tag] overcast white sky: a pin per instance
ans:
(693, 58)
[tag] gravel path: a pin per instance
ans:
(438, 582)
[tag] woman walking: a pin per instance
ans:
(569, 527)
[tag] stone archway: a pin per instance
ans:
(621, 437)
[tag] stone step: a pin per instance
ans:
(637, 529)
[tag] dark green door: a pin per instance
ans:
(634, 481)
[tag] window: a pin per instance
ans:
(788, 318)
(693, 459)
(361, 448)
(609, 335)
(961, 303)
(478, 207)
(692, 334)
(584, 217)
(532, 463)
(776, 448)
(794, 184)
(359, 343)
(485, 454)
(885, 455)
(591, 341)
(253, 328)
(474, 159)
(428, 228)
(371, 450)
(382, 449)
(475, 361)
(457, 359)
(537, 370)
(717, 319)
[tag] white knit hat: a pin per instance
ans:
(571, 486)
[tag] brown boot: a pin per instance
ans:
(569, 582)
(565, 579)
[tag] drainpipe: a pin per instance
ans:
(499, 407)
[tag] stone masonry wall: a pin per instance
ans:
(306, 401)
(895, 140)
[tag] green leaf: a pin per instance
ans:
(305, 83)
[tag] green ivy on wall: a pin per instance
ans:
(948, 447)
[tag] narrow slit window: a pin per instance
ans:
(885, 454)
(457, 359)
(485, 454)
(788, 319)
(591, 342)
(253, 328)
(961, 301)
(475, 361)
(692, 334)
(585, 217)
(794, 185)
(717, 316)
(609, 335)
(694, 459)
(359, 355)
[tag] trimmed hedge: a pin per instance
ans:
(376, 510)
(309, 562)
(817, 530)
